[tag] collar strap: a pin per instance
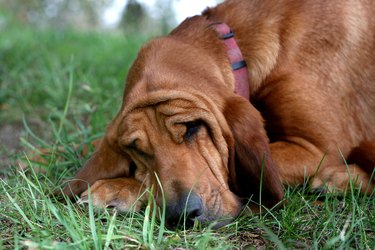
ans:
(236, 59)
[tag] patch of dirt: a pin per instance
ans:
(250, 240)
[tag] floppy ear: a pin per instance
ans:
(105, 163)
(251, 155)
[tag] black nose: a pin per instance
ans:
(185, 209)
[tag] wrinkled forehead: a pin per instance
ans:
(161, 109)
(162, 97)
(167, 102)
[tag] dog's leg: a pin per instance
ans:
(295, 162)
(300, 160)
(343, 177)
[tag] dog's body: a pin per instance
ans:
(311, 66)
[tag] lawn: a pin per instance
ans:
(62, 87)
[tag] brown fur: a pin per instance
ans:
(312, 82)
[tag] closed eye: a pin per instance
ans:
(132, 148)
(192, 128)
(139, 152)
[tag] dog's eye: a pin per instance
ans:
(132, 147)
(192, 128)
(139, 152)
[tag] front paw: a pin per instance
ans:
(122, 194)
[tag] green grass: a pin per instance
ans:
(72, 84)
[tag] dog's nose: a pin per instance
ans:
(186, 208)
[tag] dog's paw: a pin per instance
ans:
(122, 194)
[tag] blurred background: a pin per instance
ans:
(63, 65)
(145, 16)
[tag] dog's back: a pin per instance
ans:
(311, 65)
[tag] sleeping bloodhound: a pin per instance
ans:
(238, 101)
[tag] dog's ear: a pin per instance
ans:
(251, 166)
(105, 163)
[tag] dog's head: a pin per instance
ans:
(181, 124)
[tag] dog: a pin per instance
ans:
(237, 102)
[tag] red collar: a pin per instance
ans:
(236, 59)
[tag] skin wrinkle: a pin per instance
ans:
(216, 208)
(213, 166)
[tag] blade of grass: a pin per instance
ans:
(92, 221)
(110, 230)
(67, 103)
(32, 134)
(146, 221)
(163, 211)
(260, 188)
